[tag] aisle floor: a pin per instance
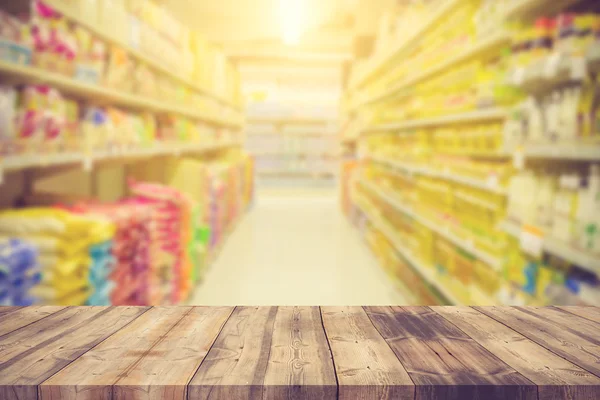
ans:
(296, 249)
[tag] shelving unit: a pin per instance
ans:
(23, 161)
(109, 147)
(475, 50)
(379, 63)
(437, 227)
(287, 148)
(471, 116)
(490, 185)
(414, 143)
(70, 11)
(428, 273)
(559, 248)
(106, 96)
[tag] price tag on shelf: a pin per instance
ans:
(492, 181)
(551, 65)
(578, 68)
(519, 158)
(87, 162)
(532, 240)
(518, 76)
(43, 159)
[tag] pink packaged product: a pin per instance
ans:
(41, 120)
(169, 204)
(131, 250)
(54, 44)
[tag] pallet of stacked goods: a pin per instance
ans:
(455, 147)
(93, 92)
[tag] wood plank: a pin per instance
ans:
(563, 318)
(236, 365)
(575, 343)
(154, 357)
(366, 367)
(24, 316)
(591, 313)
(555, 377)
(166, 370)
(443, 361)
(33, 353)
(300, 364)
(4, 310)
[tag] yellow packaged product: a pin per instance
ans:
(49, 221)
(486, 278)
(53, 245)
(66, 267)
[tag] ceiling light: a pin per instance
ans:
(292, 20)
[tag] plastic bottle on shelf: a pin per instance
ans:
(588, 215)
(565, 208)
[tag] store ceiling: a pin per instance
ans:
(251, 29)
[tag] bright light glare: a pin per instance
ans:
(292, 14)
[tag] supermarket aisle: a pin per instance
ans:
(296, 249)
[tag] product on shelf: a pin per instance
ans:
(15, 40)
(103, 264)
(19, 272)
(173, 230)
(63, 241)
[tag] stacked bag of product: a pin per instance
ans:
(103, 264)
(130, 249)
(172, 231)
(19, 272)
(63, 241)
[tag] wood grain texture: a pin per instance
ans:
(591, 313)
(300, 364)
(236, 365)
(124, 355)
(578, 342)
(35, 352)
(365, 365)
(165, 371)
(443, 361)
(4, 310)
(555, 377)
(24, 316)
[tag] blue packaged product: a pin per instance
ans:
(19, 272)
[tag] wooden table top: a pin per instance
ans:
(299, 352)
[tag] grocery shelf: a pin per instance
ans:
(23, 161)
(387, 58)
(104, 34)
(277, 172)
(291, 120)
(474, 50)
(555, 69)
(401, 286)
(491, 185)
(427, 273)
(98, 94)
(523, 8)
(443, 231)
(471, 116)
(559, 248)
(296, 155)
(560, 151)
